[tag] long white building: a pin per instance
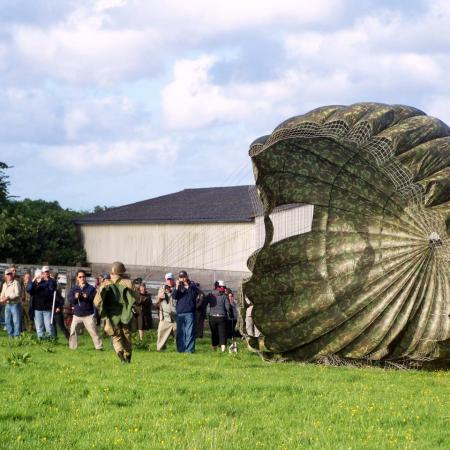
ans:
(207, 229)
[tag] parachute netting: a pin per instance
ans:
(382, 153)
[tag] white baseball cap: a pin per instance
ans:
(221, 283)
(45, 269)
(169, 276)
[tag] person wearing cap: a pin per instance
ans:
(42, 289)
(167, 314)
(185, 294)
(10, 296)
(115, 300)
(219, 309)
(81, 297)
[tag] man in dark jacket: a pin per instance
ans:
(185, 294)
(42, 289)
(81, 297)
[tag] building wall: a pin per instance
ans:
(201, 246)
(287, 223)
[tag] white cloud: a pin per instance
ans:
(108, 41)
(206, 17)
(192, 101)
(439, 106)
(85, 50)
(28, 115)
(368, 60)
(74, 121)
(113, 157)
(105, 116)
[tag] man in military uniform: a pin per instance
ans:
(114, 300)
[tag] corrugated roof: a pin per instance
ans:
(216, 204)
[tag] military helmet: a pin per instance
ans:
(118, 268)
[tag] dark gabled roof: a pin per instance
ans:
(216, 204)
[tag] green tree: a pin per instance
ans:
(34, 231)
(99, 208)
(4, 183)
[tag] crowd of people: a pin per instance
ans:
(121, 306)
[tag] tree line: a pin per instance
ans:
(37, 231)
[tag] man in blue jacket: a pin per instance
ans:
(185, 294)
(42, 289)
(81, 297)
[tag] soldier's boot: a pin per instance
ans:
(121, 356)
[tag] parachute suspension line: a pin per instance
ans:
(183, 247)
(170, 254)
(173, 254)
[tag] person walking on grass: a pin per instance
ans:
(219, 310)
(167, 314)
(185, 294)
(115, 301)
(81, 297)
(42, 289)
(10, 297)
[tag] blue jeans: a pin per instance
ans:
(185, 333)
(43, 325)
(13, 313)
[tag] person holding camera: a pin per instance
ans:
(42, 289)
(185, 294)
(10, 296)
(81, 297)
(167, 315)
(219, 310)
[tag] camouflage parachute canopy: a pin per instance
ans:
(371, 280)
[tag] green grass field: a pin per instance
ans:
(55, 398)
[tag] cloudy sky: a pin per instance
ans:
(110, 102)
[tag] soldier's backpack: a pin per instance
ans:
(117, 303)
